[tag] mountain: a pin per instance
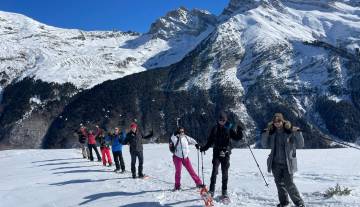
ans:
(36, 55)
(68, 180)
(300, 58)
(85, 59)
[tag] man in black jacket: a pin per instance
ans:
(134, 138)
(82, 133)
(219, 138)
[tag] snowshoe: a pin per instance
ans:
(224, 199)
(207, 197)
(176, 189)
(282, 205)
(142, 176)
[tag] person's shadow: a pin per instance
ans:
(98, 196)
(157, 204)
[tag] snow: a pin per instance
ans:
(63, 178)
(85, 59)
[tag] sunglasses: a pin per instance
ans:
(181, 131)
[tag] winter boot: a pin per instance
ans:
(282, 205)
(176, 189)
(116, 170)
(224, 194)
(211, 193)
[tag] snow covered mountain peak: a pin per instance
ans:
(182, 21)
(87, 58)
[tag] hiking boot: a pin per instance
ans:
(211, 193)
(122, 171)
(224, 193)
(282, 204)
(141, 175)
(110, 164)
(133, 176)
(176, 189)
(116, 170)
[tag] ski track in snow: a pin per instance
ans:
(63, 178)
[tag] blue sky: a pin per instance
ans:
(124, 15)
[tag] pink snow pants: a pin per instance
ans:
(178, 162)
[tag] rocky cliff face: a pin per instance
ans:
(296, 57)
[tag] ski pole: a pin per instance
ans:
(266, 184)
(202, 168)
(345, 144)
(198, 161)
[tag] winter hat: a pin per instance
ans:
(133, 125)
(222, 116)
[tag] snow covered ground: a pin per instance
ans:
(63, 178)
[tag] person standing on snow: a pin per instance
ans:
(82, 133)
(92, 145)
(134, 139)
(116, 140)
(219, 138)
(283, 139)
(105, 150)
(181, 157)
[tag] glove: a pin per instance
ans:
(197, 146)
(269, 127)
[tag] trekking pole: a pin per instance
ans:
(345, 144)
(266, 184)
(202, 168)
(198, 161)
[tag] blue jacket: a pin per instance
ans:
(116, 141)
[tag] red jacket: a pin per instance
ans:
(91, 139)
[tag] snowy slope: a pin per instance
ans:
(292, 52)
(62, 178)
(32, 49)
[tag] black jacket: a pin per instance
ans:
(220, 137)
(135, 140)
(82, 136)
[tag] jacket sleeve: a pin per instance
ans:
(191, 140)
(126, 139)
(210, 140)
(265, 139)
(238, 134)
(149, 135)
(173, 139)
(299, 140)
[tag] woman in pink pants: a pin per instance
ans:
(181, 157)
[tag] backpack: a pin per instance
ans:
(172, 147)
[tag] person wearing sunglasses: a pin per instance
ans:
(219, 138)
(181, 141)
(283, 139)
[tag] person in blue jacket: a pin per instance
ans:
(116, 140)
